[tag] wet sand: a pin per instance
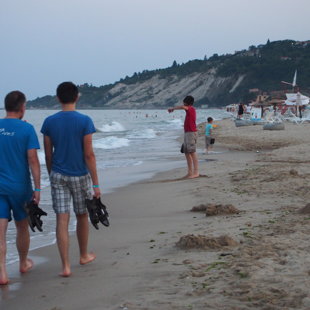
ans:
(265, 175)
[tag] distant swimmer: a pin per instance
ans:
(71, 164)
(19, 144)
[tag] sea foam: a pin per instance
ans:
(148, 133)
(41, 157)
(112, 127)
(110, 143)
(175, 123)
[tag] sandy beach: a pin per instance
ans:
(158, 255)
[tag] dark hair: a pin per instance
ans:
(188, 100)
(14, 101)
(67, 92)
(210, 119)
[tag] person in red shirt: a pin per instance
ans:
(190, 136)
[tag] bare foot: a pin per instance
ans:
(87, 259)
(4, 282)
(66, 272)
(193, 176)
(185, 177)
(25, 267)
(4, 278)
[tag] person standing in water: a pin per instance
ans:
(190, 136)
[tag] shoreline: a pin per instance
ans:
(111, 179)
(48, 255)
(138, 264)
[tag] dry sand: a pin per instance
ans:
(265, 265)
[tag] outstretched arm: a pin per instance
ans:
(34, 164)
(180, 107)
(90, 160)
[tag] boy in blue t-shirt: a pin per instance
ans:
(71, 164)
(19, 144)
(208, 135)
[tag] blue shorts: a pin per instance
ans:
(13, 204)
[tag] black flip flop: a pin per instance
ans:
(97, 212)
(34, 215)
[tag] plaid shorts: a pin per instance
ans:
(64, 187)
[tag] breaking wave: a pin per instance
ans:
(112, 127)
(143, 134)
(110, 143)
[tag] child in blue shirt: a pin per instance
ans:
(208, 137)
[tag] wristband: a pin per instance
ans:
(95, 186)
(37, 190)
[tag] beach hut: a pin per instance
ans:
(297, 100)
(258, 108)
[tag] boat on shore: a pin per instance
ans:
(274, 126)
(248, 122)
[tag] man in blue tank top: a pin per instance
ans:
(71, 163)
(19, 144)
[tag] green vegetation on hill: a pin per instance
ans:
(271, 64)
(266, 65)
(263, 67)
(192, 66)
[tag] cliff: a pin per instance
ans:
(163, 92)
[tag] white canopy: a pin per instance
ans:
(296, 99)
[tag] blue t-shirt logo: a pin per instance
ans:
(16, 138)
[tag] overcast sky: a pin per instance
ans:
(45, 42)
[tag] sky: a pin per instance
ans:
(46, 42)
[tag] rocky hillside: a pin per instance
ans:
(162, 92)
(217, 81)
(154, 92)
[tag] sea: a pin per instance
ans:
(130, 146)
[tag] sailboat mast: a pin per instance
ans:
(295, 79)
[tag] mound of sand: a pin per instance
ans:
(305, 209)
(213, 209)
(200, 208)
(293, 172)
(204, 242)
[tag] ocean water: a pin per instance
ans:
(130, 145)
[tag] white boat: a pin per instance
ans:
(249, 122)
